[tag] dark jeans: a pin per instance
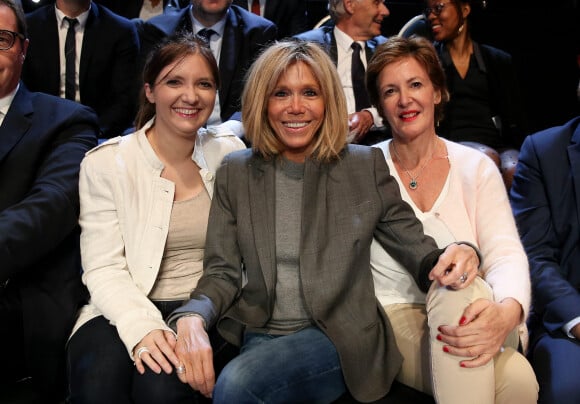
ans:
(101, 371)
(302, 367)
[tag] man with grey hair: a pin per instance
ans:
(350, 41)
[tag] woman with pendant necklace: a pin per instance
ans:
(458, 194)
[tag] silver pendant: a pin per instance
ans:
(413, 184)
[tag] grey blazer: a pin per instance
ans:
(346, 203)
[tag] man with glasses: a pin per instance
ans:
(42, 142)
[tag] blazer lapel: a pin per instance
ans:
(46, 53)
(231, 43)
(314, 209)
(262, 210)
(90, 39)
(574, 156)
(16, 122)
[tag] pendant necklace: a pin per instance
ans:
(413, 184)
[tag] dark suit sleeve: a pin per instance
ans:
(48, 213)
(554, 298)
(123, 89)
(399, 231)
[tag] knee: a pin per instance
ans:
(233, 385)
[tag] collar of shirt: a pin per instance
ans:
(219, 27)
(344, 41)
(5, 103)
(81, 18)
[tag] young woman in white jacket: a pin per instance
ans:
(145, 201)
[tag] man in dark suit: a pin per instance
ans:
(42, 142)
(107, 48)
(138, 8)
(545, 197)
(288, 15)
(354, 21)
(237, 39)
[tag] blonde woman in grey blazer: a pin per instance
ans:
(286, 271)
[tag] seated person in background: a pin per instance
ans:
(102, 75)
(485, 105)
(356, 23)
(458, 194)
(235, 36)
(288, 15)
(145, 201)
(143, 9)
(42, 142)
(286, 271)
(546, 204)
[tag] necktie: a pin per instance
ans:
(206, 33)
(70, 56)
(256, 7)
(357, 71)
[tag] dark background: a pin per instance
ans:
(543, 38)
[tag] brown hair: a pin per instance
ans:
(175, 48)
(261, 82)
(397, 48)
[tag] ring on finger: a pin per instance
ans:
(180, 369)
(142, 350)
(463, 277)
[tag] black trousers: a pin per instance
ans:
(100, 370)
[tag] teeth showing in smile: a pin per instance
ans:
(295, 124)
(409, 115)
(185, 111)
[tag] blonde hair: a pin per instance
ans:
(261, 82)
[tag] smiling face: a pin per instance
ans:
(296, 111)
(445, 26)
(184, 95)
(367, 18)
(407, 98)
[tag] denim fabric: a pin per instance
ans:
(300, 367)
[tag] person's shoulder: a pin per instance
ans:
(495, 53)
(249, 19)
(109, 17)
(317, 34)
(39, 14)
(378, 40)
(59, 108)
(168, 22)
(556, 135)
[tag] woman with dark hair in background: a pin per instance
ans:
(485, 108)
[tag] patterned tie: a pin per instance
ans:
(206, 33)
(357, 71)
(70, 56)
(256, 7)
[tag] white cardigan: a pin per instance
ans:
(124, 218)
(475, 209)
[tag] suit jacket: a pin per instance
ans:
(107, 73)
(42, 142)
(288, 15)
(345, 204)
(544, 197)
(325, 36)
(245, 35)
(127, 8)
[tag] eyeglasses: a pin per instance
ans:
(7, 39)
(436, 9)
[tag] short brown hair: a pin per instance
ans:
(397, 48)
(16, 7)
(261, 82)
(174, 48)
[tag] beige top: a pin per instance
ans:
(182, 262)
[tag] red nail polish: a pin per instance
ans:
(462, 321)
(462, 364)
(445, 349)
(439, 328)
(439, 337)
